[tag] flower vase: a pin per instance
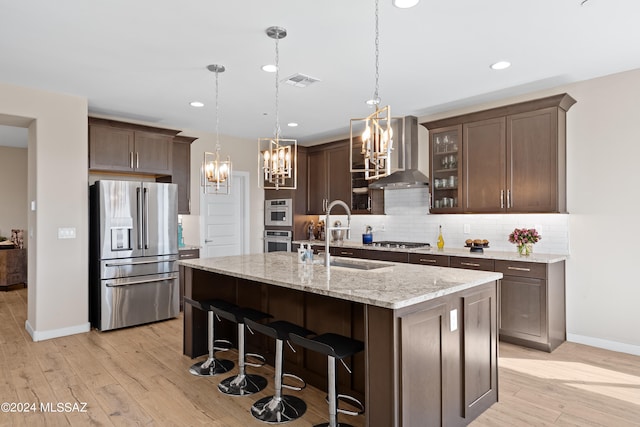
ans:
(525, 249)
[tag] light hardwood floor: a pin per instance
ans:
(138, 376)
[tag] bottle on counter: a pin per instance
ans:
(440, 238)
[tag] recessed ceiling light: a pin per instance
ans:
(405, 4)
(292, 124)
(196, 104)
(269, 68)
(501, 65)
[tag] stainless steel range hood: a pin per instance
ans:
(410, 177)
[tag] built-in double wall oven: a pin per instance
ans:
(278, 212)
(277, 241)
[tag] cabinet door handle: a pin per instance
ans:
(433, 261)
(131, 159)
(187, 256)
(137, 161)
(501, 199)
(509, 201)
(346, 253)
(470, 264)
(369, 203)
(518, 268)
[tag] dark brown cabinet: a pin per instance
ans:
(181, 172)
(429, 259)
(123, 147)
(13, 268)
(513, 159)
(532, 304)
(185, 254)
(329, 177)
(369, 254)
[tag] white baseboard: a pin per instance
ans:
(606, 344)
(56, 333)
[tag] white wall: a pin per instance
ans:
(244, 157)
(57, 184)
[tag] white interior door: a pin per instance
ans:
(225, 221)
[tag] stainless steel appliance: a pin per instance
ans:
(133, 253)
(277, 241)
(278, 212)
(400, 245)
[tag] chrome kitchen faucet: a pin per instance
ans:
(328, 227)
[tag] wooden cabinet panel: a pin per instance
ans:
(534, 170)
(523, 308)
(429, 259)
(181, 172)
(471, 263)
(127, 147)
(522, 269)
(153, 153)
(484, 168)
(328, 177)
(111, 149)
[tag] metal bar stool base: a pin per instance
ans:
(270, 410)
(235, 386)
(218, 366)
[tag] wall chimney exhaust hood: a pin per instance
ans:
(410, 177)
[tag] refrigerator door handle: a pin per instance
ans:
(145, 197)
(138, 282)
(155, 261)
(139, 218)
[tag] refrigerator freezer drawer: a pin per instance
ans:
(127, 267)
(137, 300)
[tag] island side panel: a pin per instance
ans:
(381, 352)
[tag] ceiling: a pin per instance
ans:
(146, 60)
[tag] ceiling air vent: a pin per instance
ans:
(300, 80)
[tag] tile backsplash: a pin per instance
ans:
(554, 229)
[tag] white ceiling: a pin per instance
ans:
(146, 59)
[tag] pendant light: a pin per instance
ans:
(375, 142)
(277, 157)
(216, 173)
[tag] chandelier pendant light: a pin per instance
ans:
(216, 173)
(375, 142)
(277, 157)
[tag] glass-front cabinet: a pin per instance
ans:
(445, 169)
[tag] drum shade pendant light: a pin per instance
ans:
(216, 173)
(375, 141)
(277, 157)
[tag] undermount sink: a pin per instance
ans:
(358, 264)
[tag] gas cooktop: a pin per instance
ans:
(400, 245)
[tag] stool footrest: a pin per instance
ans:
(294, 387)
(222, 345)
(352, 401)
(261, 363)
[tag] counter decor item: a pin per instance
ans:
(367, 237)
(524, 238)
(440, 238)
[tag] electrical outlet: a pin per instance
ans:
(467, 228)
(381, 227)
(66, 232)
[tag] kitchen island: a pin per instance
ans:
(430, 333)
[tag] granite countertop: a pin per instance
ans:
(465, 252)
(394, 286)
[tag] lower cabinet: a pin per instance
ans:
(449, 374)
(429, 259)
(185, 254)
(532, 304)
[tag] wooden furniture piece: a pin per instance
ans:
(125, 147)
(363, 199)
(186, 253)
(328, 176)
(13, 269)
(532, 304)
(509, 159)
(181, 171)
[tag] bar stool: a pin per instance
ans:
(211, 366)
(243, 383)
(338, 347)
(279, 408)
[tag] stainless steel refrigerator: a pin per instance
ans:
(133, 253)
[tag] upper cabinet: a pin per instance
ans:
(329, 177)
(124, 147)
(510, 159)
(181, 172)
